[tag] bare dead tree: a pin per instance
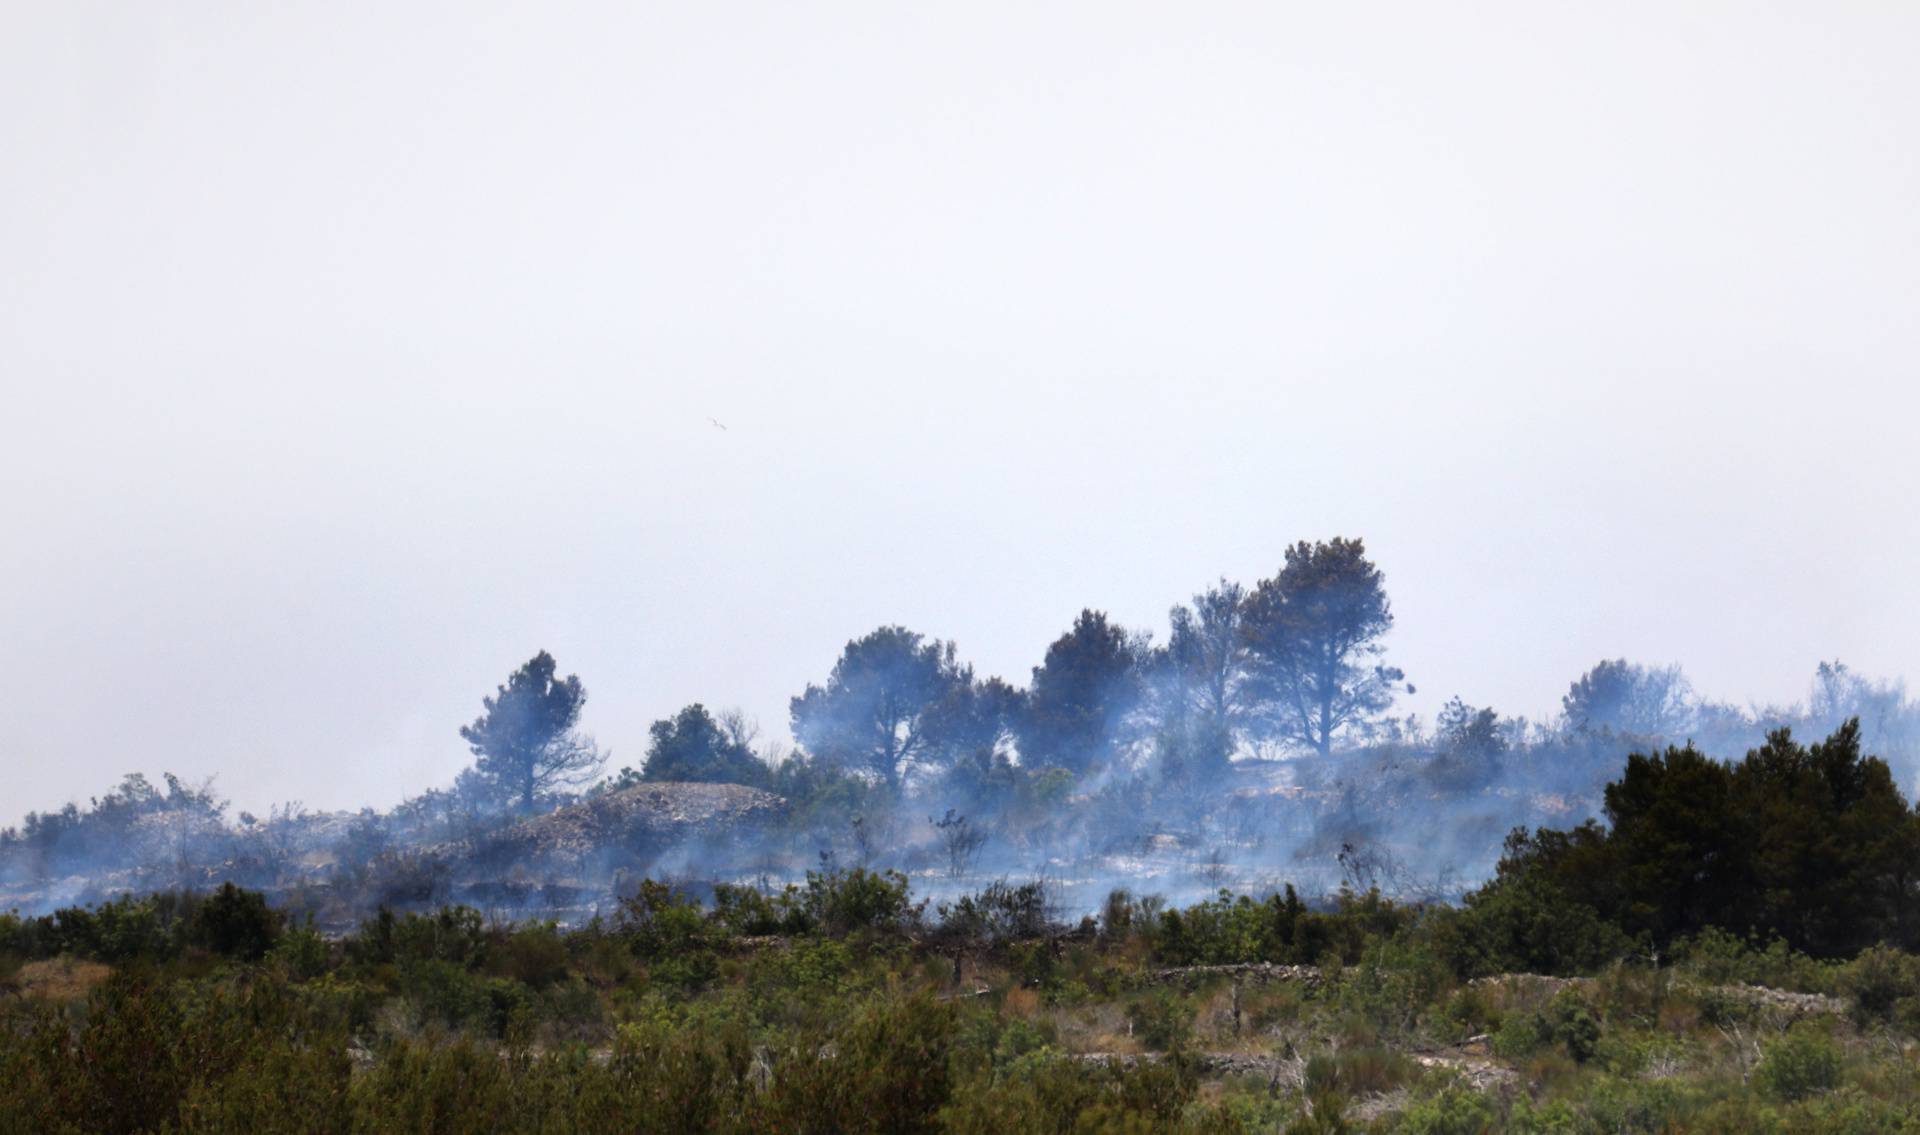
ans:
(961, 838)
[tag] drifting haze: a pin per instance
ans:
(352, 355)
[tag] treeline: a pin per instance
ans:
(904, 756)
(1812, 846)
(844, 1003)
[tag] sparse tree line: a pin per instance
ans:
(902, 750)
(842, 1004)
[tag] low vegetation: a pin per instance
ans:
(845, 1005)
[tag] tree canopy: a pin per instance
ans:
(881, 708)
(1811, 844)
(525, 740)
(1630, 699)
(1314, 632)
(1081, 695)
(692, 745)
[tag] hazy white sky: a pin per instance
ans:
(351, 353)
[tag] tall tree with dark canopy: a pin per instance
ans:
(1081, 695)
(525, 741)
(1313, 632)
(974, 718)
(693, 746)
(878, 711)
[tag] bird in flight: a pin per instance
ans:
(717, 423)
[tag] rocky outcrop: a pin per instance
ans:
(634, 821)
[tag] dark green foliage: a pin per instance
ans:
(1813, 845)
(1161, 1019)
(535, 955)
(231, 922)
(453, 934)
(661, 924)
(1805, 1062)
(1002, 912)
(693, 746)
(1280, 929)
(1531, 919)
(161, 1057)
(748, 912)
(1882, 986)
(445, 994)
(1313, 632)
(1081, 695)
(848, 1021)
(235, 923)
(860, 901)
(881, 709)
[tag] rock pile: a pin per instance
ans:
(638, 819)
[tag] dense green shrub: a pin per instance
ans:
(1805, 1062)
(235, 923)
(860, 901)
(1456, 1111)
(1882, 986)
(1161, 1019)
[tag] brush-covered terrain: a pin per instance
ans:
(1592, 985)
(846, 1006)
(1211, 886)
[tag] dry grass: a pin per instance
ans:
(1022, 1003)
(61, 979)
(1095, 1028)
(1213, 1022)
(1681, 1018)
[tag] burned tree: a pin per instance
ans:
(961, 839)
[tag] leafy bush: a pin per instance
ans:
(454, 934)
(1456, 1111)
(1805, 1062)
(1882, 985)
(845, 902)
(1002, 912)
(302, 952)
(748, 912)
(235, 923)
(1161, 1020)
(443, 993)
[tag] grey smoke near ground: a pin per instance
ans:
(350, 356)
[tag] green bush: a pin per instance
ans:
(301, 952)
(535, 955)
(235, 923)
(1882, 985)
(1162, 1020)
(442, 993)
(860, 901)
(1803, 1063)
(1571, 1024)
(1456, 1111)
